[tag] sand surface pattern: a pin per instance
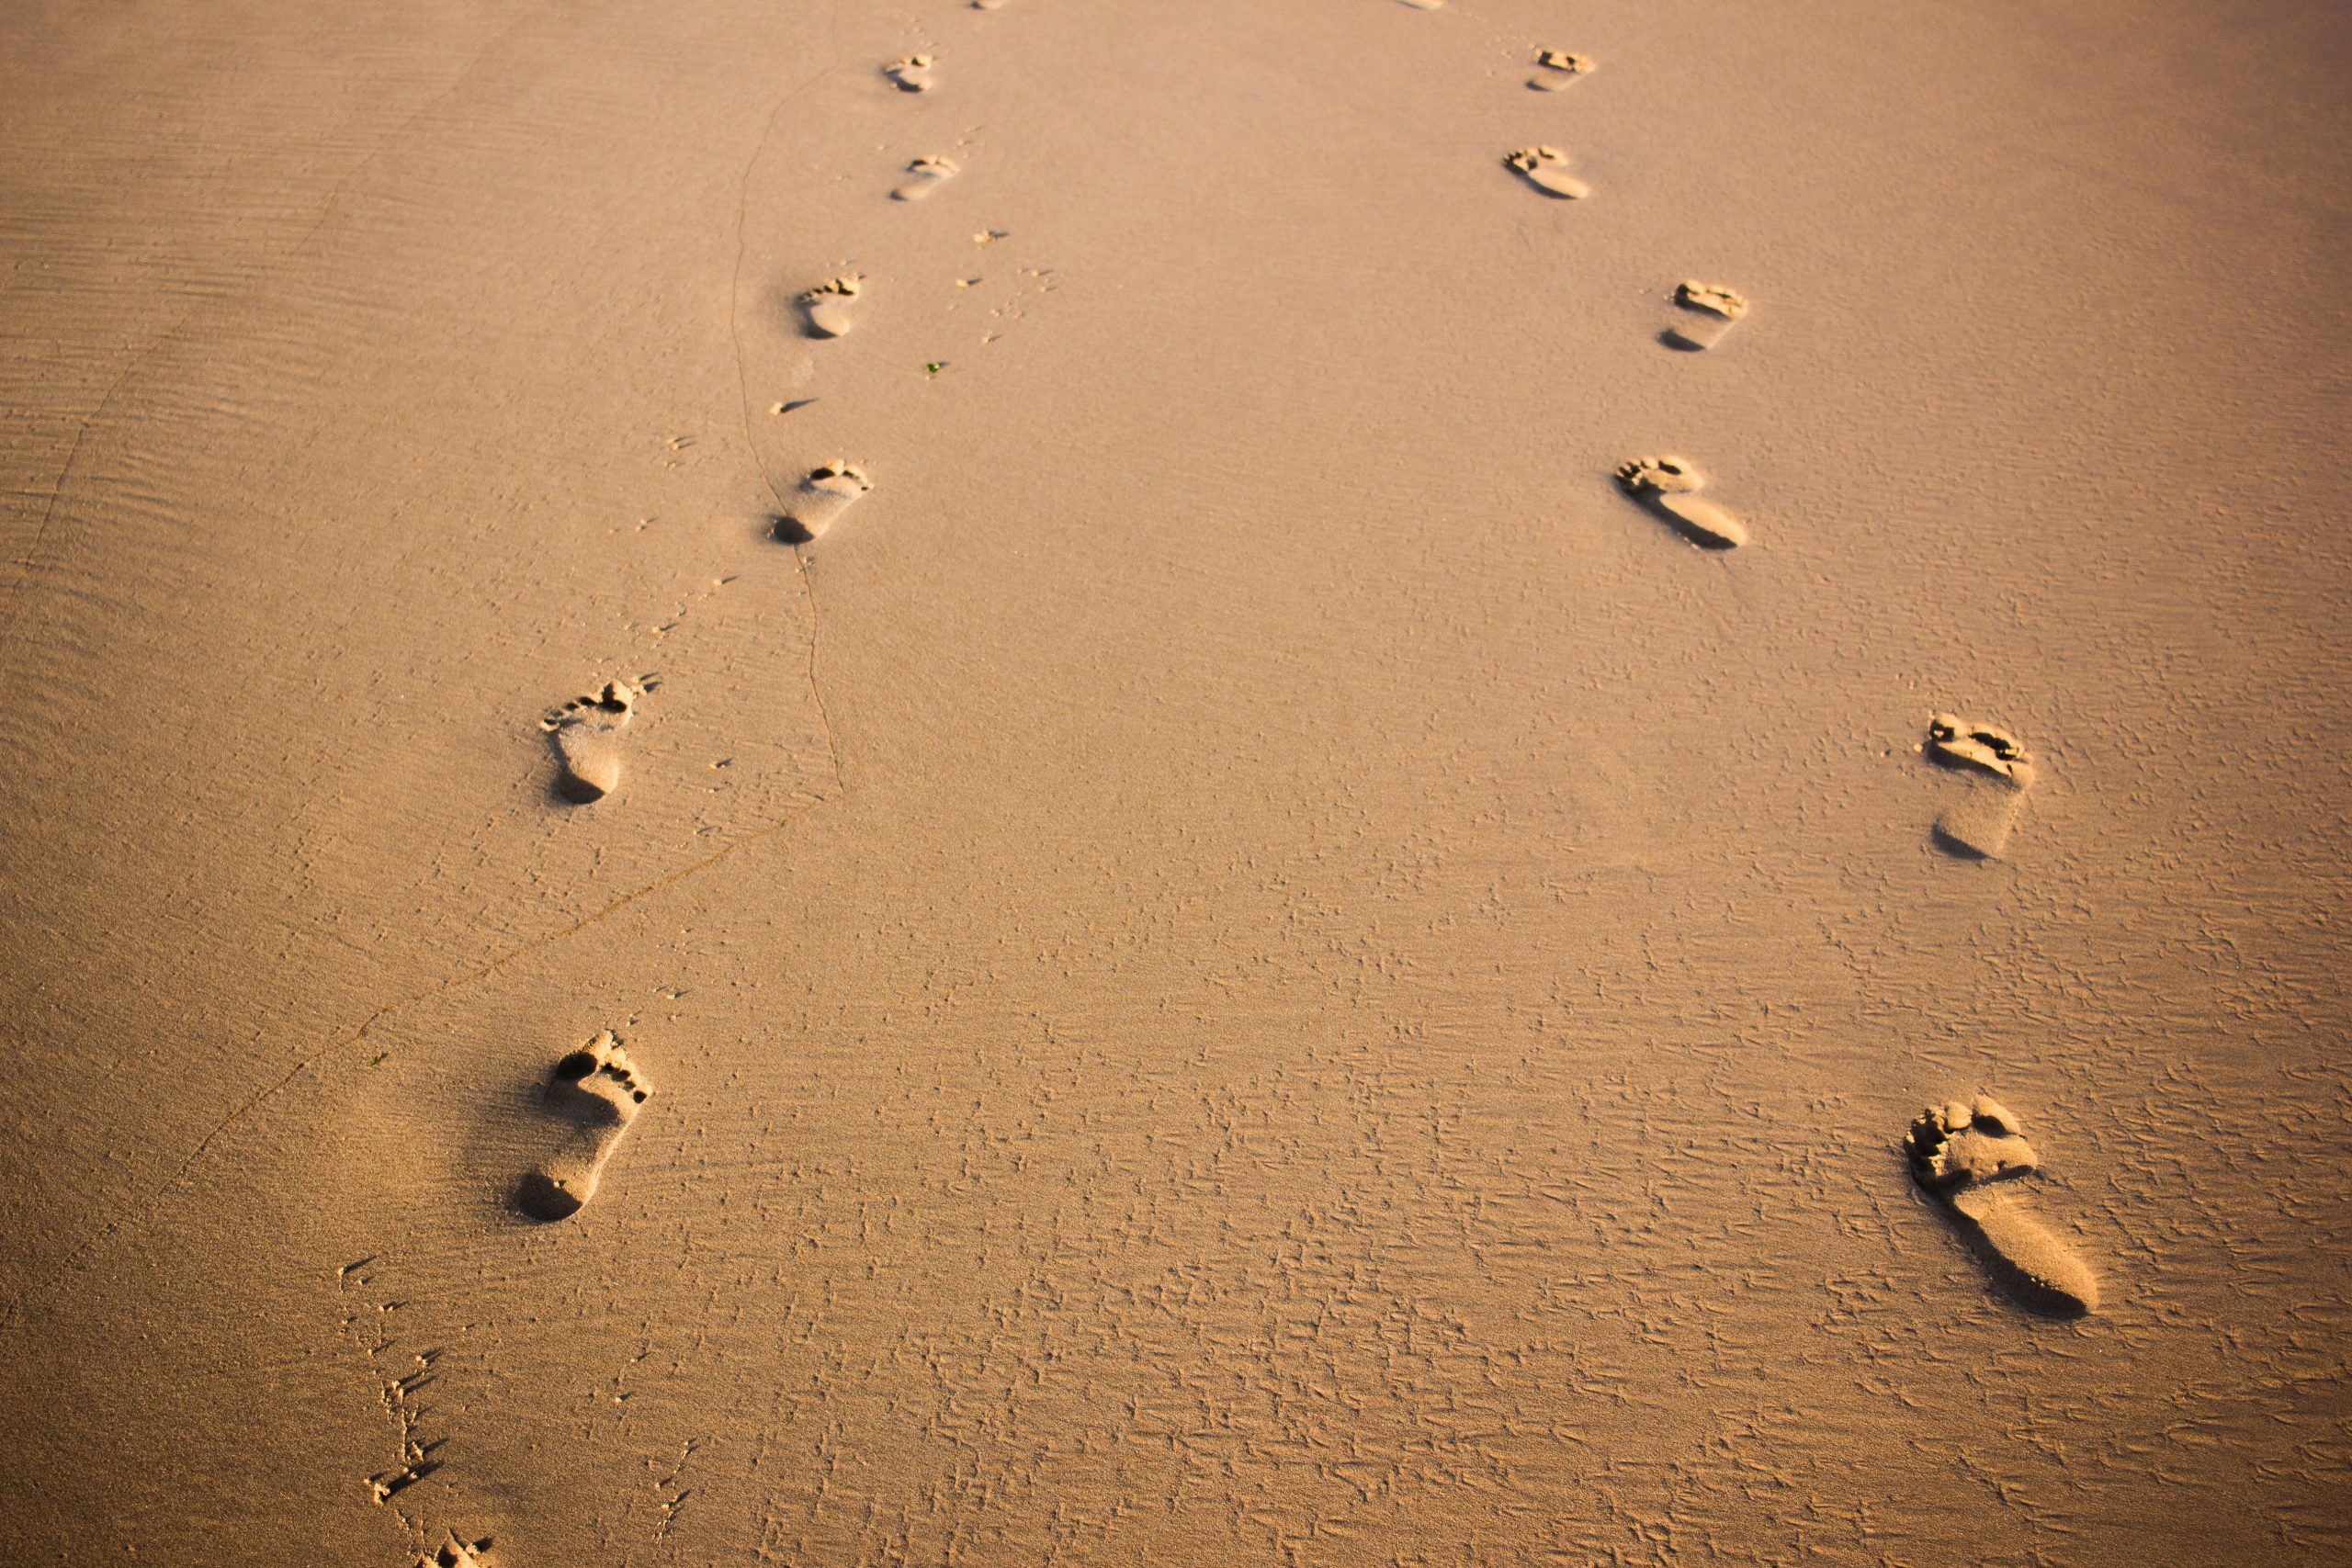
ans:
(966, 783)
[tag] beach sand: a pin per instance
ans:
(1128, 911)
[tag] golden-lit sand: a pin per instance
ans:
(988, 783)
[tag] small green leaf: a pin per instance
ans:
(935, 366)
(376, 1059)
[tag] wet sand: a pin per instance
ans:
(1233, 952)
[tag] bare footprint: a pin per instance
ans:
(830, 489)
(1958, 1155)
(1709, 313)
(586, 733)
(1546, 168)
(1556, 68)
(827, 306)
(1668, 486)
(1999, 774)
(912, 75)
(923, 176)
(595, 1092)
(457, 1553)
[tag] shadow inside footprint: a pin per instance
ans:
(1959, 1154)
(592, 1094)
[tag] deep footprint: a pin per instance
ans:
(1546, 168)
(1668, 486)
(1710, 313)
(827, 306)
(911, 74)
(1556, 68)
(1958, 1155)
(830, 489)
(595, 1092)
(1980, 823)
(923, 176)
(586, 733)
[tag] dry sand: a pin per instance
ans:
(1244, 960)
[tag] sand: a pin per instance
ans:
(1237, 957)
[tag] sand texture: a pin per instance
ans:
(822, 784)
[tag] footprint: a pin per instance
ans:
(1546, 168)
(595, 1093)
(2000, 773)
(1712, 312)
(922, 176)
(1556, 68)
(457, 1553)
(1670, 486)
(1958, 1152)
(912, 75)
(586, 731)
(828, 492)
(827, 306)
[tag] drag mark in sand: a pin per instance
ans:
(1668, 486)
(1958, 1153)
(594, 1093)
(398, 1379)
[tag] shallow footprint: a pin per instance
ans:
(457, 1553)
(924, 176)
(1668, 486)
(1980, 823)
(1958, 1153)
(586, 732)
(595, 1092)
(1712, 313)
(1556, 68)
(1546, 168)
(912, 75)
(827, 306)
(830, 489)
